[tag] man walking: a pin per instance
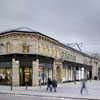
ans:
(49, 84)
(54, 84)
(83, 86)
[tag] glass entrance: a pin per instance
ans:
(45, 72)
(26, 76)
(25, 72)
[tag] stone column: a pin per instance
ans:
(54, 70)
(35, 72)
(71, 73)
(15, 72)
(57, 64)
(61, 65)
(67, 77)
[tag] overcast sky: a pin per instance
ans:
(65, 20)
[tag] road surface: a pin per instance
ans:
(19, 97)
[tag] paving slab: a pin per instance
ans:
(65, 90)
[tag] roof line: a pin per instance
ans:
(32, 31)
(18, 29)
(23, 27)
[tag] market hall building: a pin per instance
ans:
(27, 56)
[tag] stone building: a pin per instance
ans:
(26, 56)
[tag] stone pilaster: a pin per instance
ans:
(62, 72)
(57, 71)
(54, 70)
(67, 76)
(15, 72)
(35, 76)
(71, 73)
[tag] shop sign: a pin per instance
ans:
(68, 56)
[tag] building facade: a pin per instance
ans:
(28, 56)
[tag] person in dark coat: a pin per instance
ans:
(49, 84)
(54, 84)
(83, 86)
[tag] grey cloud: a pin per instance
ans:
(65, 20)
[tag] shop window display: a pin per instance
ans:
(5, 76)
(44, 73)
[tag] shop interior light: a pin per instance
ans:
(17, 62)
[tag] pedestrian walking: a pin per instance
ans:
(54, 84)
(49, 84)
(83, 87)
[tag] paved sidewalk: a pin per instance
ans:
(65, 90)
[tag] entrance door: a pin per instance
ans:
(26, 76)
(90, 74)
(25, 72)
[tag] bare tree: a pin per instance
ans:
(96, 55)
(76, 45)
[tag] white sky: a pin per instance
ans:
(65, 20)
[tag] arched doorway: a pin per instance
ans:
(58, 73)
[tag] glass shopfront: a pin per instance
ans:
(45, 71)
(5, 73)
(26, 76)
(25, 73)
